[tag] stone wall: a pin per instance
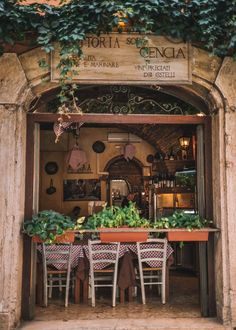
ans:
(12, 173)
(211, 79)
(220, 216)
(226, 81)
(12, 183)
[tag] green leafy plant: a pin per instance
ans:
(113, 217)
(187, 180)
(206, 23)
(48, 225)
(210, 22)
(182, 220)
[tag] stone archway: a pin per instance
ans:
(213, 87)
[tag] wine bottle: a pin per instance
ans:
(160, 181)
(164, 180)
(167, 180)
(171, 155)
(172, 182)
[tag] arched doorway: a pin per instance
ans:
(125, 176)
(202, 92)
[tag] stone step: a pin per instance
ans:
(128, 324)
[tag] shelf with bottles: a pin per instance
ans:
(174, 190)
(178, 181)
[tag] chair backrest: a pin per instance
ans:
(103, 253)
(153, 252)
(57, 255)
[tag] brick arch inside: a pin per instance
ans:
(136, 163)
(128, 170)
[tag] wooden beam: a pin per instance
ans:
(121, 119)
(203, 279)
(211, 276)
(209, 215)
(201, 197)
(27, 305)
(138, 230)
(208, 168)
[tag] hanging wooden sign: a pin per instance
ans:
(130, 59)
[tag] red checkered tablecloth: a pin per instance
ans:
(76, 253)
(127, 247)
(80, 251)
(152, 254)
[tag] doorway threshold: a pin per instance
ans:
(129, 324)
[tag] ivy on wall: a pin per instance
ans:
(211, 24)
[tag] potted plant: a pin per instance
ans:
(119, 217)
(189, 227)
(50, 227)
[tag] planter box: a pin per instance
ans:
(68, 237)
(123, 236)
(187, 236)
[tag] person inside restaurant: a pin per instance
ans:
(74, 214)
(127, 199)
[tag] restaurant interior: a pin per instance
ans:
(155, 164)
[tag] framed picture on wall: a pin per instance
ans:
(82, 190)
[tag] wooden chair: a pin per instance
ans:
(108, 254)
(148, 275)
(56, 278)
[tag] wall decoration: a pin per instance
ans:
(81, 189)
(150, 158)
(51, 168)
(51, 189)
(76, 157)
(129, 151)
(98, 147)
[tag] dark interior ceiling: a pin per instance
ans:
(162, 137)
